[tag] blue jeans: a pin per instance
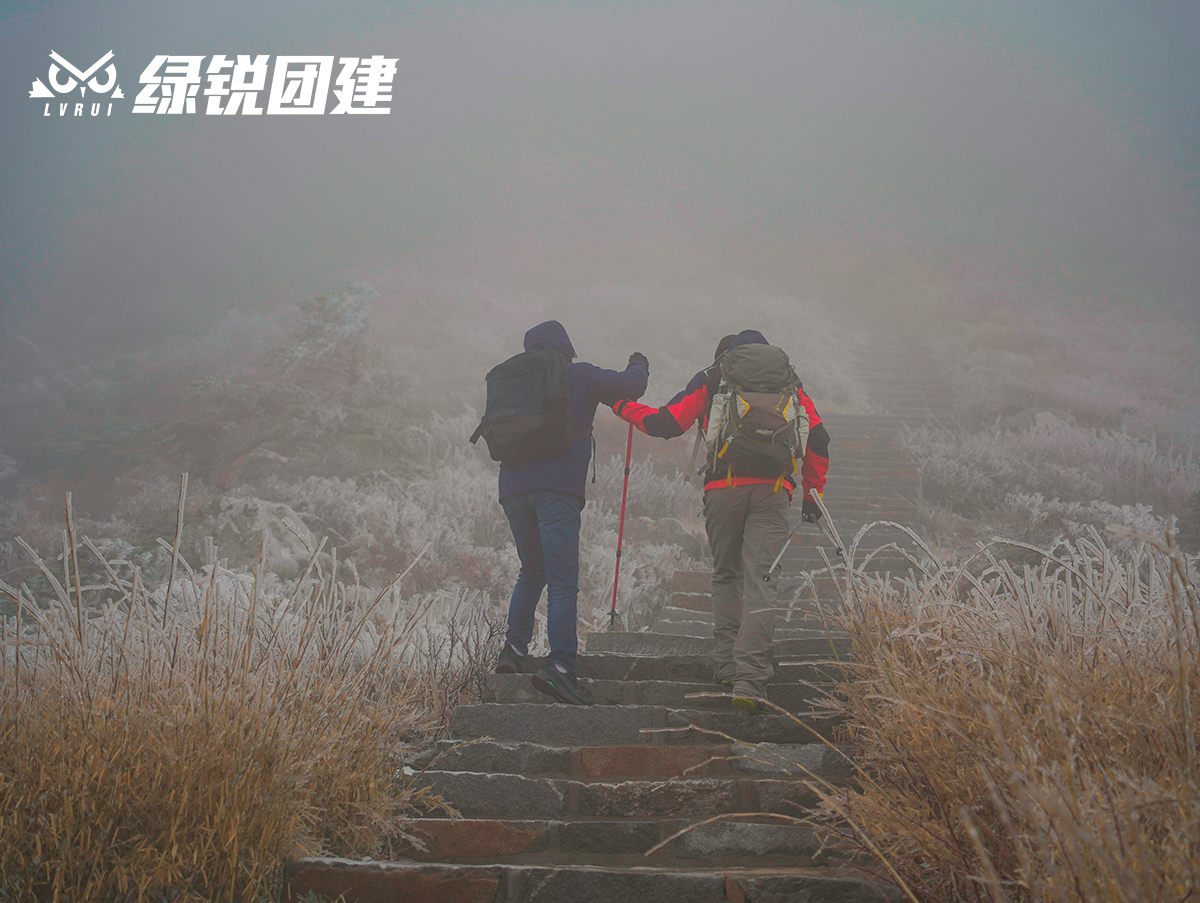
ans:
(545, 528)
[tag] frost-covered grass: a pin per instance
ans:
(1029, 735)
(379, 522)
(1065, 414)
(1053, 477)
(175, 735)
(178, 742)
(382, 522)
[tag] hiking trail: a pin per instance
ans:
(562, 803)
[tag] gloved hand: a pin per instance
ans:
(618, 406)
(638, 356)
(810, 512)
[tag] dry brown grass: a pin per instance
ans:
(1029, 735)
(182, 751)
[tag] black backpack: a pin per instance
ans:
(528, 416)
(756, 425)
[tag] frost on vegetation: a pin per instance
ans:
(1032, 514)
(178, 739)
(1028, 734)
(1000, 472)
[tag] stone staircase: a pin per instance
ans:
(572, 804)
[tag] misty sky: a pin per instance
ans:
(546, 144)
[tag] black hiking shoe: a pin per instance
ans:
(563, 687)
(509, 662)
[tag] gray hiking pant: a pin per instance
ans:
(747, 526)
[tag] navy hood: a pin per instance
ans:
(550, 335)
(748, 337)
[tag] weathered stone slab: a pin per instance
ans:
(614, 837)
(557, 725)
(697, 601)
(531, 759)
(646, 644)
(690, 582)
(596, 885)
(693, 798)
(654, 761)
(499, 795)
(802, 760)
(724, 842)
(813, 889)
(386, 882)
(472, 838)
(657, 644)
(695, 727)
(671, 613)
(620, 666)
(664, 627)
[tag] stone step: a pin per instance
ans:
(355, 881)
(701, 600)
(476, 794)
(821, 760)
(790, 582)
(518, 688)
(704, 630)
(613, 842)
(695, 668)
(686, 582)
(627, 725)
(670, 613)
(657, 644)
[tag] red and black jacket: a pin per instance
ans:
(693, 404)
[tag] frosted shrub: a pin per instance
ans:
(974, 473)
(1029, 735)
(1047, 520)
(178, 743)
(381, 522)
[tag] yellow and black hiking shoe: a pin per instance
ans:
(563, 687)
(750, 705)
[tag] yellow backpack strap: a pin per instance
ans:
(779, 482)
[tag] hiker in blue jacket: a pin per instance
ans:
(542, 502)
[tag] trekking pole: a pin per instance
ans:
(775, 563)
(612, 618)
(820, 522)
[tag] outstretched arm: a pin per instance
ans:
(671, 419)
(610, 386)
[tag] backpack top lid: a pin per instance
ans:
(758, 368)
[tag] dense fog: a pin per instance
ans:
(1013, 186)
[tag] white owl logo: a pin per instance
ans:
(75, 78)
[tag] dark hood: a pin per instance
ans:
(550, 335)
(748, 337)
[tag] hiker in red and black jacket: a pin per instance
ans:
(746, 522)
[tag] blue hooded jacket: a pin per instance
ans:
(590, 386)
